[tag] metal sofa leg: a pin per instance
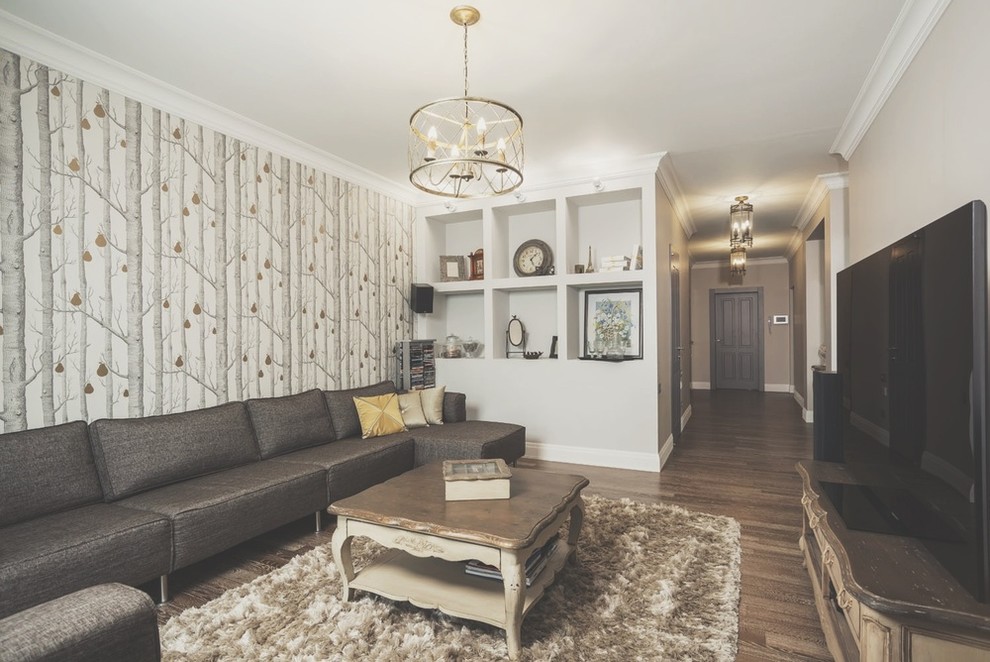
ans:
(163, 585)
(319, 521)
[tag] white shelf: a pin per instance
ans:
(459, 286)
(561, 401)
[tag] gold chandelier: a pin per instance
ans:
(465, 147)
(741, 223)
(737, 261)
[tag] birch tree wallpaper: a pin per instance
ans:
(150, 265)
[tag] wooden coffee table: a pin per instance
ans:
(429, 538)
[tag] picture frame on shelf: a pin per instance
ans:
(613, 329)
(553, 348)
(453, 268)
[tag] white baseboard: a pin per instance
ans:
(808, 415)
(799, 399)
(702, 386)
(666, 450)
(778, 388)
(685, 417)
(597, 457)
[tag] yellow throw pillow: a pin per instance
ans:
(379, 415)
(411, 406)
(433, 404)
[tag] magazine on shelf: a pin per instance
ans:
(534, 565)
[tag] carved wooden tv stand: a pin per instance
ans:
(883, 597)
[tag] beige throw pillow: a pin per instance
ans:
(411, 406)
(433, 404)
(379, 415)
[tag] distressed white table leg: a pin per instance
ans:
(341, 545)
(514, 581)
(574, 528)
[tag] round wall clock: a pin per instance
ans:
(533, 258)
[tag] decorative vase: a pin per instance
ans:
(613, 348)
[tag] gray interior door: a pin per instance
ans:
(738, 350)
(675, 353)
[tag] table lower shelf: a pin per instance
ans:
(433, 583)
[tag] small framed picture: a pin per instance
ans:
(612, 328)
(553, 347)
(453, 267)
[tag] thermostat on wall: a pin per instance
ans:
(780, 319)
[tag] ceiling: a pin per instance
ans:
(746, 97)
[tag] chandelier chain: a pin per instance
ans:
(465, 60)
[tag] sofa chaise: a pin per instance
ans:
(131, 500)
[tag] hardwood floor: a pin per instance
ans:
(736, 458)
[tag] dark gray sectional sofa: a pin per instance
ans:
(129, 500)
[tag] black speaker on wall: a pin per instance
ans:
(421, 298)
(827, 387)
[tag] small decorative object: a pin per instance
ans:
(533, 258)
(453, 348)
(452, 268)
(637, 257)
(579, 268)
(612, 324)
(474, 480)
(477, 265)
(515, 337)
(532, 355)
(590, 268)
(553, 348)
(472, 348)
(822, 355)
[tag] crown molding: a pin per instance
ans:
(905, 39)
(816, 195)
(667, 177)
(756, 261)
(31, 41)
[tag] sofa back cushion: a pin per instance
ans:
(290, 422)
(343, 413)
(138, 454)
(44, 471)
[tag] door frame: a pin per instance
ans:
(712, 367)
(675, 349)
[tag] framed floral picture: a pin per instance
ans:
(612, 324)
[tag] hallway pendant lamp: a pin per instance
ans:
(466, 147)
(737, 261)
(741, 223)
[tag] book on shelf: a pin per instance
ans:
(535, 564)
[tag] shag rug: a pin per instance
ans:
(654, 582)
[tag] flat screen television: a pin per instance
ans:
(912, 349)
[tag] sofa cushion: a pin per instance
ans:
(212, 513)
(56, 554)
(411, 407)
(432, 399)
(470, 440)
(353, 465)
(341, 405)
(454, 407)
(46, 471)
(105, 622)
(379, 415)
(290, 422)
(137, 454)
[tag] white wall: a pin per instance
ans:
(927, 151)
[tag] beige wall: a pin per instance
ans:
(926, 153)
(796, 269)
(775, 281)
(671, 236)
